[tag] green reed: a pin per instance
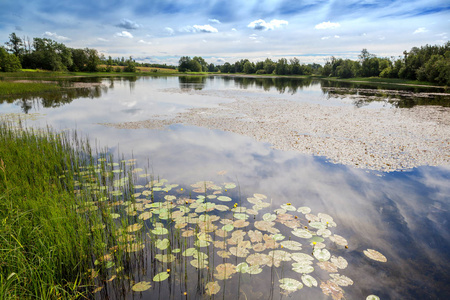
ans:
(50, 235)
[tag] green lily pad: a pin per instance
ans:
(292, 245)
(321, 254)
(302, 233)
(316, 239)
(162, 244)
(269, 217)
(228, 227)
(161, 276)
(160, 231)
(309, 281)
(304, 210)
(141, 286)
(189, 252)
(240, 216)
(165, 258)
(242, 267)
(224, 198)
(302, 268)
(375, 255)
(290, 284)
(372, 297)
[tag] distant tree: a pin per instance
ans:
(195, 66)
(269, 66)
(202, 62)
(249, 68)
(79, 59)
(93, 60)
(282, 67)
(9, 62)
(296, 67)
(225, 68)
(15, 45)
(130, 65)
(183, 64)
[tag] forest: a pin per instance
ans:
(427, 63)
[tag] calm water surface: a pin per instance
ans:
(404, 215)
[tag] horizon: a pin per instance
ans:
(220, 31)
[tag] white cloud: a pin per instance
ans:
(128, 24)
(124, 34)
(327, 25)
(103, 40)
(169, 30)
(233, 29)
(199, 28)
(214, 21)
(325, 38)
(205, 28)
(420, 30)
(144, 42)
(53, 35)
(263, 25)
(337, 37)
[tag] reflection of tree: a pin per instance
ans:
(192, 82)
(282, 85)
(55, 99)
(363, 94)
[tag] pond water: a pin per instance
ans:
(403, 215)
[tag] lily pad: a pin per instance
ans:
(375, 255)
(161, 276)
(292, 245)
(224, 198)
(212, 288)
(290, 284)
(302, 233)
(309, 281)
(302, 268)
(160, 231)
(372, 297)
(134, 227)
(141, 286)
(162, 244)
(322, 254)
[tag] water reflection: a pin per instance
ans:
(402, 215)
(192, 82)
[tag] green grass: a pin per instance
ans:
(16, 88)
(48, 240)
(378, 80)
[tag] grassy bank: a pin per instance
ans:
(18, 88)
(50, 236)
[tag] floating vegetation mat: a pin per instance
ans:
(204, 240)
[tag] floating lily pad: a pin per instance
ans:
(321, 254)
(372, 297)
(375, 255)
(145, 215)
(162, 244)
(240, 216)
(304, 210)
(269, 217)
(199, 264)
(141, 286)
(288, 207)
(230, 186)
(160, 231)
(302, 268)
(242, 267)
(339, 240)
(292, 245)
(228, 227)
(161, 276)
(165, 258)
(189, 252)
(340, 262)
(316, 239)
(290, 284)
(309, 281)
(212, 288)
(302, 233)
(224, 198)
(341, 280)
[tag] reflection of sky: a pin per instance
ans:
(402, 215)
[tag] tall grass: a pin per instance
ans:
(47, 243)
(14, 88)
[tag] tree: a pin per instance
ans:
(249, 68)
(269, 66)
(9, 62)
(202, 62)
(93, 60)
(282, 67)
(15, 45)
(183, 64)
(130, 65)
(295, 66)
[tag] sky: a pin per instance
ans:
(161, 31)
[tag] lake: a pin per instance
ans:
(401, 212)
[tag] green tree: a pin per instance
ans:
(202, 62)
(183, 64)
(15, 45)
(249, 68)
(269, 66)
(130, 65)
(93, 60)
(9, 62)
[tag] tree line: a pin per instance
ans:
(47, 54)
(427, 63)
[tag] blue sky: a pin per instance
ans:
(161, 31)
